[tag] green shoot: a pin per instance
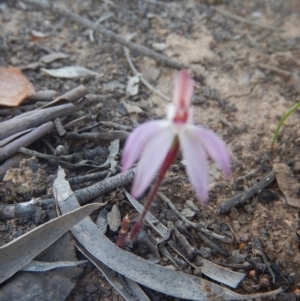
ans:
(281, 121)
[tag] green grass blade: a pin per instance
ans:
(281, 121)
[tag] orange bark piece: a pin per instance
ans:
(14, 87)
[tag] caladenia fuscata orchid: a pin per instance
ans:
(156, 144)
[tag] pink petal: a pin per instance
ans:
(183, 89)
(153, 156)
(137, 141)
(196, 162)
(215, 147)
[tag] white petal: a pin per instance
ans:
(138, 139)
(196, 162)
(155, 151)
(215, 147)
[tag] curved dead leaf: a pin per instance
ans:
(14, 87)
(69, 72)
(17, 253)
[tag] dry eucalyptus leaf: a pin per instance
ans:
(113, 152)
(160, 46)
(49, 285)
(112, 86)
(51, 57)
(31, 66)
(14, 87)
(69, 72)
(129, 289)
(131, 108)
(17, 253)
(101, 221)
(132, 88)
(39, 34)
(287, 183)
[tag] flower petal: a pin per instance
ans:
(152, 158)
(138, 139)
(215, 147)
(183, 89)
(196, 162)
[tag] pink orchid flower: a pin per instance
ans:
(156, 143)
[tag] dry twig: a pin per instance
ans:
(32, 119)
(25, 140)
(243, 20)
(70, 96)
(275, 69)
(110, 136)
(242, 198)
(58, 160)
(143, 80)
(191, 224)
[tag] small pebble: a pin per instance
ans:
(248, 208)
(197, 272)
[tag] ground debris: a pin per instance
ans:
(287, 183)
(27, 181)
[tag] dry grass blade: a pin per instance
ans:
(142, 271)
(17, 253)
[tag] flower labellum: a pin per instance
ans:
(152, 141)
(156, 144)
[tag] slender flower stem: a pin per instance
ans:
(171, 156)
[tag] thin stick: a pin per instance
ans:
(143, 80)
(113, 135)
(34, 118)
(212, 245)
(71, 96)
(55, 159)
(156, 2)
(189, 223)
(241, 95)
(110, 34)
(243, 20)
(13, 147)
(275, 69)
(88, 178)
(242, 198)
